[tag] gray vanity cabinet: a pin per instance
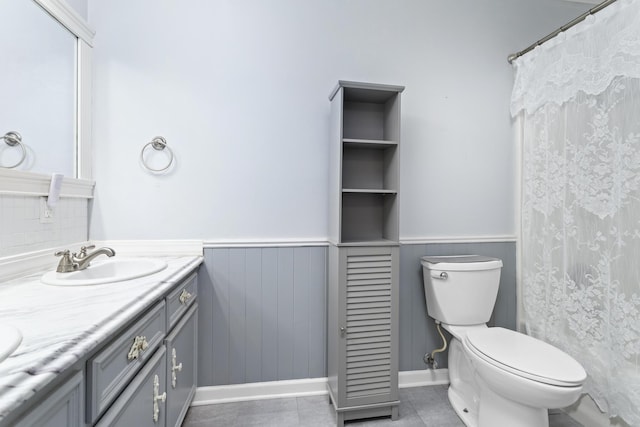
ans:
(362, 336)
(143, 374)
(159, 394)
(62, 408)
(182, 365)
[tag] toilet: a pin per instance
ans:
(498, 377)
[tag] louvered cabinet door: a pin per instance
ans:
(370, 322)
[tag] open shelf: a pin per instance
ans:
(368, 190)
(368, 143)
(365, 163)
(369, 216)
(370, 166)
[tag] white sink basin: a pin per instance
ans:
(106, 271)
(11, 339)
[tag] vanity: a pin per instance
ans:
(115, 354)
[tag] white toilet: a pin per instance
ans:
(498, 377)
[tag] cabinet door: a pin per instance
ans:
(182, 352)
(111, 369)
(63, 408)
(142, 403)
(371, 361)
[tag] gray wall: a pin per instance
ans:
(239, 89)
(262, 314)
(263, 310)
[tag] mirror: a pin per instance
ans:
(38, 89)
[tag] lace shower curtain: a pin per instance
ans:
(578, 98)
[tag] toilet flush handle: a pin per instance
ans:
(442, 276)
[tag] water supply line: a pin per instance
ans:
(429, 359)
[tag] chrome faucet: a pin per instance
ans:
(83, 258)
(74, 262)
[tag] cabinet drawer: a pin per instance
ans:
(143, 402)
(111, 369)
(179, 300)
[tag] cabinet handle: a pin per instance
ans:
(139, 345)
(343, 332)
(174, 367)
(156, 397)
(184, 296)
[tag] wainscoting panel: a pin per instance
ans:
(418, 333)
(262, 314)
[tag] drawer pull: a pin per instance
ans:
(174, 367)
(184, 296)
(139, 345)
(156, 397)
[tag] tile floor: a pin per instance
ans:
(419, 407)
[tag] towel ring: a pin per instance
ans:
(12, 139)
(158, 143)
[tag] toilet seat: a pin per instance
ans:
(525, 356)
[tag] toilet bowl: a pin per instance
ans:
(498, 377)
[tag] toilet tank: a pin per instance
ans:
(461, 290)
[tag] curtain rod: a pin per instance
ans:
(565, 27)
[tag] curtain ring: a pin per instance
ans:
(12, 139)
(157, 143)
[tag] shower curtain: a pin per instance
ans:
(577, 98)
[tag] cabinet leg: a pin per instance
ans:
(339, 419)
(394, 413)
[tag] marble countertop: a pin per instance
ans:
(61, 325)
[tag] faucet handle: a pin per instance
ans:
(83, 251)
(66, 264)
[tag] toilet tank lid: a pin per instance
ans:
(461, 262)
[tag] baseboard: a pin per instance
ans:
(423, 377)
(303, 387)
(258, 391)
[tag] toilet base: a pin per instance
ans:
(463, 389)
(468, 416)
(479, 406)
(497, 411)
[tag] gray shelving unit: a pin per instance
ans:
(363, 254)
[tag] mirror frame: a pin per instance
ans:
(82, 184)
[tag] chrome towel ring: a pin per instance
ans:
(158, 143)
(12, 139)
